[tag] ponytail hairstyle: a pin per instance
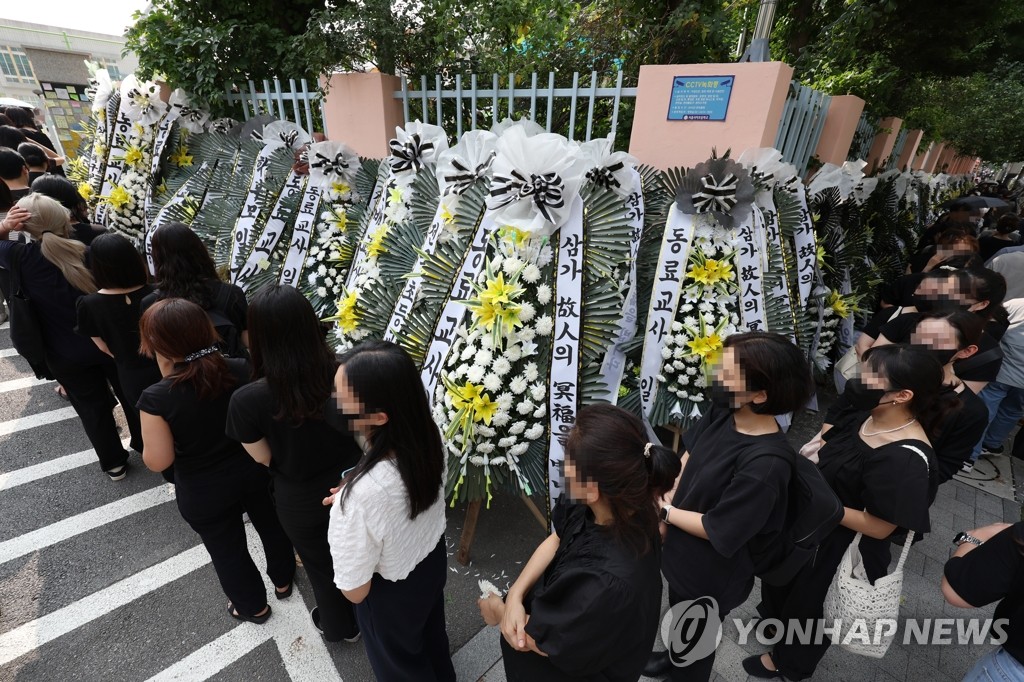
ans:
(288, 349)
(609, 446)
(179, 329)
(50, 225)
(384, 379)
(906, 368)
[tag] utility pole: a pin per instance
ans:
(758, 50)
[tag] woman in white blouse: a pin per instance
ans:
(387, 521)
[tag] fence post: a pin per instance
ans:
(909, 149)
(752, 118)
(361, 110)
(931, 159)
(889, 129)
(844, 113)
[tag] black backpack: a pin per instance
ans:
(813, 510)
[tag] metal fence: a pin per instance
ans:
(803, 119)
(863, 138)
(463, 106)
(292, 101)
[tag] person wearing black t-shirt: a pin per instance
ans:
(184, 269)
(110, 317)
(586, 605)
(727, 497)
(878, 461)
(183, 418)
(288, 420)
(988, 566)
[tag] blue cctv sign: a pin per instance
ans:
(700, 98)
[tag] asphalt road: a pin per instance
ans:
(104, 581)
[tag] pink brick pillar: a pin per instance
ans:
(361, 110)
(885, 140)
(840, 126)
(909, 149)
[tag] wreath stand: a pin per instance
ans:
(473, 514)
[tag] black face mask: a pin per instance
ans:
(861, 397)
(942, 356)
(720, 396)
(933, 303)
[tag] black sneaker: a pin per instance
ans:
(314, 614)
(992, 449)
(117, 473)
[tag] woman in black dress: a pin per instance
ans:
(287, 420)
(184, 269)
(878, 461)
(110, 317)
(183, 419)
(61, 189)
(586, 605)
(731, 495)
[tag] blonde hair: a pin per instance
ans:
(50, 225)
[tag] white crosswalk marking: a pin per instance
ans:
(6, 325)
(81, 523)
(41, 419)
(8, 352)
(34, 634)
(18, 384)
(54, 466)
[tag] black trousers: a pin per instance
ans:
(212, 503)
(88, 388)
(305, 520)
(698, 671)
(403, 624)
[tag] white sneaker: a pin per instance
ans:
(968, 467)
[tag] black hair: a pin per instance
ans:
(384, 379)
(772, 363)
(1007, 223)
(33, 154)
(288, 349)
(906, 368)
(4, 121)
(12, 165)
(6, 200)
(983, 284)
(11, 136)
(183, 266)
(115, 263)
(609, 446)
(967, 326)
(21, 118)
(64, 191)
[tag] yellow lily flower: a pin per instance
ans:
(118, 197)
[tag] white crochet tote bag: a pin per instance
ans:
(867, 613)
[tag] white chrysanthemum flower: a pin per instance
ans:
(511, 265)
(535, 431)
(322, 270)
(526, 311)
(501, 418)
(530, 372)
(545, 256)
(475, 374)
(531, 274)
(668, 369)
(462, 370)
(709, 318)
(540, 412)
(686, 307)
(691, 370)
(519, 449)
(518, 385)
(501, 367)
(526, 335)
(677, 327)
(679, 365)
(507, 442)
(492, 383)
(666, 352)
(496, 263)
(544, 325)
(467, 352)
(661, 378)
(483, 358)
(543, 293)
(517, 428)
(513, 353)
(525, 407)
(321, 292)
(690, 321)
(679, 353)
(538, 391)
(485, 448)
(505, 401)
(486, 342)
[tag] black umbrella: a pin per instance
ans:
(973, 202)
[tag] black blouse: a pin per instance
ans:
(595, 611)
(740, 504)
(115, 319)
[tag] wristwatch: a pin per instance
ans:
(963, 537)
(665, 512)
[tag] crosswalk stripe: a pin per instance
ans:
(84, 522)
(34, 634)
(32, 421)
(8, 352)
(18, 384)
(12, 479)
(215, 656)
(6, 325)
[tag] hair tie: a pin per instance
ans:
(647, 450)
(192, 357)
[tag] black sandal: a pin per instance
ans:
(258, 620)
(287, 593)
(756, 668)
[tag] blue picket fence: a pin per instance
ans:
(803, 119)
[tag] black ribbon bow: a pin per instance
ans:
(408, 155)
(604, 176)
(716, 196)
(464, 177)
(546, 191)
(336, 166)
